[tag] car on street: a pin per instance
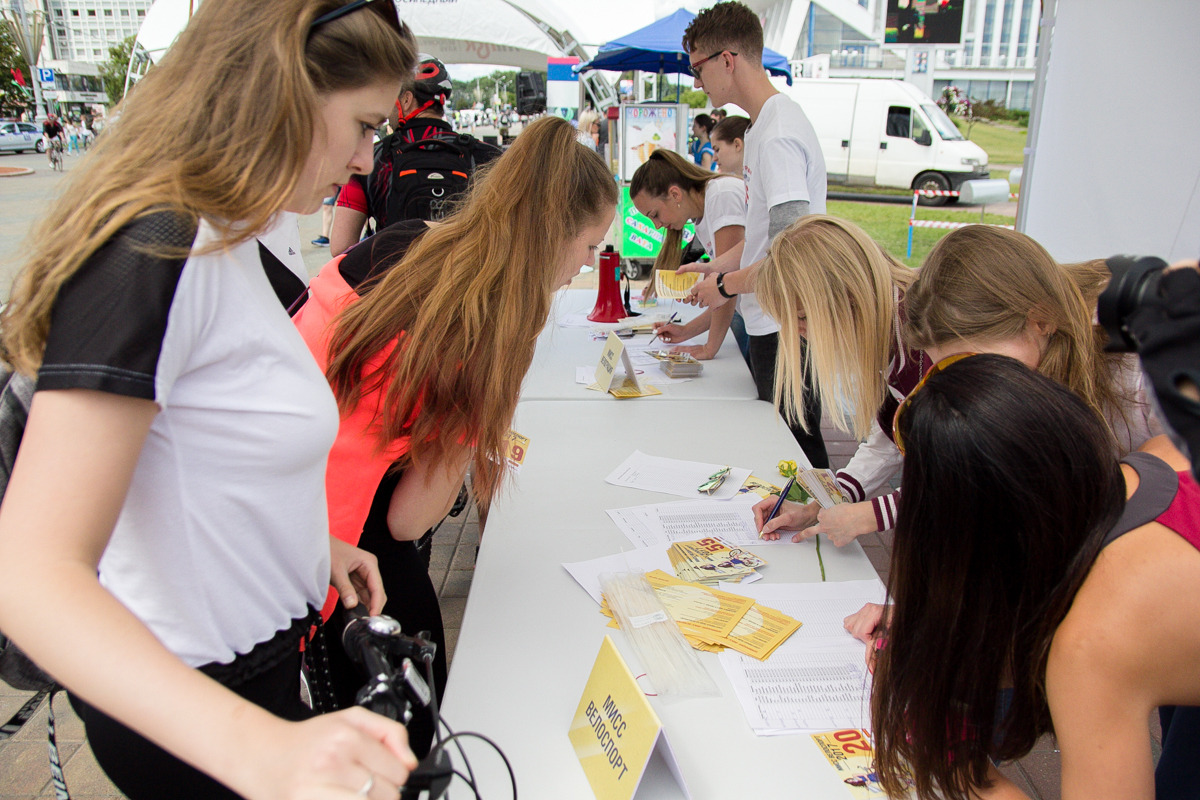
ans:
(21, 136)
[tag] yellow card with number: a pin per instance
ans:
(515, 447)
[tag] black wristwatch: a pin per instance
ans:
(721, 286)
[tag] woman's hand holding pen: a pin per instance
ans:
(672, 331)
(791, 517)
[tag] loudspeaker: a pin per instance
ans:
(531, 92)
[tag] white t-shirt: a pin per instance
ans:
(783, 163)
(724, 205)
(223, 537)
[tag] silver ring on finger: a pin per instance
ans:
(366, 787)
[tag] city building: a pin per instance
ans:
(995, 61)
(84, 30)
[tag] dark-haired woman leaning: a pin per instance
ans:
(1020, 565)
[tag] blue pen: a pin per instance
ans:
(669, 321)
(779, 504)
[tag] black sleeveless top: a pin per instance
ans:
(1157, 487)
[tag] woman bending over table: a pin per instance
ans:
(1029, 562)
(670, 192)
(825, 280)
(425, 336)
(990, 290)
(163, 539)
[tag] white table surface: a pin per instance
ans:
(560, 350)
(530, 633)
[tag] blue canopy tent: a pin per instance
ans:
(657, 48)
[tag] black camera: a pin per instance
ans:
(1155, 313)
(1133, 279)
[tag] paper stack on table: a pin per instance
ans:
(712, 620)
(710, 561)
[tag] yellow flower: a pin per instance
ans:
(787, 468)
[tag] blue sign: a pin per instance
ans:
(45, 74)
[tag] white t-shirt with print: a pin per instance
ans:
(783, 163)
(223, 536)
(724, 205)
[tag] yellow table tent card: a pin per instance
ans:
(606, 370)
(615, 730)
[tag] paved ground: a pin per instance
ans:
(24, 772)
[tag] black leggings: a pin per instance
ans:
(142, 769)
(412, 601)
(764, 351)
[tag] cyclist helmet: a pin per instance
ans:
(433, 82)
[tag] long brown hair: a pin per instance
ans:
(992, 545)
(662, 170)
(983, 283)
(847, 287)
(220, 129)
(468, 301)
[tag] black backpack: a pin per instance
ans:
(429, 174)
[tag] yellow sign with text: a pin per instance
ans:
(615, 730)
(629, 386)
(614, 348)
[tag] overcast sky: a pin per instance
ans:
(598, 21)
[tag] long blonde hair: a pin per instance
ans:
(468, 301)
(833, 272)
(982, 283)
(662, 170)
(220, 129)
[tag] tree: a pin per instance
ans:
(14, 98)
(956, 103)
(112, 72)
(502, 83)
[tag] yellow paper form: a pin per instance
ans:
(674, 285)
(712, 620)
(699, 609)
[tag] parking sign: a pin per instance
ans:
(45, 74)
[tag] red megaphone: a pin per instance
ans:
(609, 307)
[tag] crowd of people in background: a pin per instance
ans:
(301, 441)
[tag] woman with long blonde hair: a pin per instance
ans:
(167, 508)
(827, 282)
(670, 192)
(427, 354)
(985, 289)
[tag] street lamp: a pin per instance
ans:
(27, 29)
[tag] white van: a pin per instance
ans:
(876, 132)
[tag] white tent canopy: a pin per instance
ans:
(456, 31)
(1111, 164)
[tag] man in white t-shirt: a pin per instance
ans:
(785, 179)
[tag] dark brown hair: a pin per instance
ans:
(731, 128)
(729, 26)
(1009, 488)
(662, 170)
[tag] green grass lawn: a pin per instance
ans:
(888, 225)
(1003, 144)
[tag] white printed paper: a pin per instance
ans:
(817, 680)
(587, 573)
(673, 476)
(662, 524)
